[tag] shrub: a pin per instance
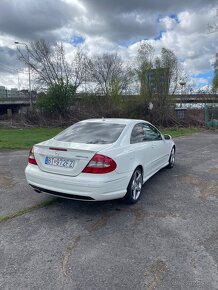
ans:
(58, 99)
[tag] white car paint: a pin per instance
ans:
(72, 182)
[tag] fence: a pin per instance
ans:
(211, 116)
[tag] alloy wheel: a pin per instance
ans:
(172, 157)
(136, 186)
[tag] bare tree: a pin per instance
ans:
(109, 73)
(54, 72)
(48, 62)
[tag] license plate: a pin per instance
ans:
(59, 162)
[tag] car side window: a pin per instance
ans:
(151, 133)
(137, 135)
(144, 132)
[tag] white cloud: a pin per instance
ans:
(113, 26)
(168, 23)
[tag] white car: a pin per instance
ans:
(100, 159)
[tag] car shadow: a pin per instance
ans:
(153, 192)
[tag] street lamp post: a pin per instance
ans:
(28, 59)
(182, 84)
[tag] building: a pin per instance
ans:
(15, 93)
(158, 81)
(3, 92)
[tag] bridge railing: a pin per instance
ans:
(11, 100)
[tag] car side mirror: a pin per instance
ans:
(167, 137)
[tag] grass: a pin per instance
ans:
(11, 139)
(178, 132)
(25, 138)
(26, 210)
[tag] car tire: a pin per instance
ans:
(134, 188)
(172, 158)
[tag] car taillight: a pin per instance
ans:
(31, 158)
(100, 164)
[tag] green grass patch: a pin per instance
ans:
(26, 210)
(25, 138)
(178, 132)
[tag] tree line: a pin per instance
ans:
(107, 75)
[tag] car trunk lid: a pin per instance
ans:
(65, 158)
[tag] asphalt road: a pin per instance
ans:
(169, 240)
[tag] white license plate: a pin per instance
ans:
(59, 162)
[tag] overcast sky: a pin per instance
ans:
(115, 25)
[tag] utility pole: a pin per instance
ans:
(29, 72)
(18, 81)
(182, 84)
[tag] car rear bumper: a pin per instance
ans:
(84, 186)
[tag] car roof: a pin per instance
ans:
(115, 120)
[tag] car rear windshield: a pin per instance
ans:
(91, 133)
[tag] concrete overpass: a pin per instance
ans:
(16, 103)
(195, 98)
(190, 98)
(182, 98)
(13, 104)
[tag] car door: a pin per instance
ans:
(160, 150)
(141, 150)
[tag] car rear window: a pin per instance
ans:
(91, 133)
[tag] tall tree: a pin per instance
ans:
(170, 61)
(145, 59)
(48, 62)
(157, 76)
(109, 73)
(215, 78)
(52, 70)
